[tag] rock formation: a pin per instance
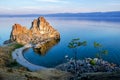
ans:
(40, 30)
(20, 34)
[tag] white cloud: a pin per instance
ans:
(52, 1)
(30, 7)
(5, 8)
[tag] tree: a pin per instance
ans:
(100, 49)
(74, 44)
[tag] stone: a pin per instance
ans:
(40, 31)
(84, 67)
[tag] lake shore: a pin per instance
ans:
(21, 73)
(11, 70)
(18, 56)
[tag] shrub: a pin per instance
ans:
(92, 62)
(74, 44)
(100, 49)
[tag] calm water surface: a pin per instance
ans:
(106, 33)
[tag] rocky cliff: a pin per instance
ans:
(40, 30)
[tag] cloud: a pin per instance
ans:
(51, 1)
(30, 7)
(114, 4)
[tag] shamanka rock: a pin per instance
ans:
(40, 30)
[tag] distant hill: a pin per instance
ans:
(93, 14)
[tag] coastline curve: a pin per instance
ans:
(18, 56)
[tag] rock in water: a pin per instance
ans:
(40, 30)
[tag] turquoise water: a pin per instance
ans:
(106, 33)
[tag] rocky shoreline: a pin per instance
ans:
(112, 71)
(89, 65)
(85, 68)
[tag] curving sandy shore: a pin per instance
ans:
(18, 56)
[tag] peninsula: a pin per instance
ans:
(40, 33)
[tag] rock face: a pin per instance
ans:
(20, 34)
(40, 30)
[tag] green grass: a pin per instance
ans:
(15, 46)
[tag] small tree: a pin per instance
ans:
(74, 44)
(101, 51)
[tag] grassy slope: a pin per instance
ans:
(6, 52)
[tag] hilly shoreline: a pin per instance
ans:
(93, 16)
(89, 14)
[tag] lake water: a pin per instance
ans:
(106, 33)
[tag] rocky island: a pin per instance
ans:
(40, 31)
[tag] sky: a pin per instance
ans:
(57, 6)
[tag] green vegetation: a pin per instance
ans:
(100, 49)
(6, 54)
(92, 62)
(74, 44)
(12, 47)
(16, 45)
(13, 63)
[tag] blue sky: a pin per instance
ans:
(57, 6)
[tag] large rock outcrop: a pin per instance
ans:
(40, 30)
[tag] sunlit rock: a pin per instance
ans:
(20, 34)
(40, 31)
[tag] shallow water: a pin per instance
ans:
(106, 33)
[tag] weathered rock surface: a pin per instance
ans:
(88, 65)
(40, 30)
(91, 69)
(20, 34)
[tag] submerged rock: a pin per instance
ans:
(40, 30)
